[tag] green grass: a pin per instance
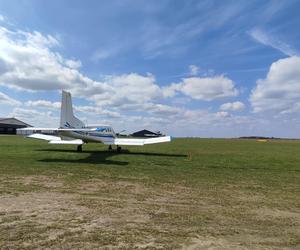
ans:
(196, 193)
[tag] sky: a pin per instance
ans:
(185, 68)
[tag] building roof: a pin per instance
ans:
(145, 133)
(13, 121)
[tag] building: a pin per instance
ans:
(145, 133)
(10, 125)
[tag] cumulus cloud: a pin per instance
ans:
(43, 104)
(204, 88)
(129, 88)
(73, 64)
(33, 117)
(280, 90)
(84, 109)
(5, 99)
(222, 114)
(163, 110)
(28, 61)
(97, 110)
(232, 106)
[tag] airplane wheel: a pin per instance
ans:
(79, 148)
(119, 149)
(109, 148)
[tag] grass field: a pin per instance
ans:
(190, 194)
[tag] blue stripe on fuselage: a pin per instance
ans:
(93, 134)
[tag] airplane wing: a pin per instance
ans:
(140, 142)
(55, 139)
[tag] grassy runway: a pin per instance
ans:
(190, 194)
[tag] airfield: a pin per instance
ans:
(187, 194)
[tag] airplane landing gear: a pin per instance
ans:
(79, 148)
(118, 148)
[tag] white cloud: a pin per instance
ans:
(274, 42)
(2, 18)
(204, 88)
(5, 99)
(84, 109)
(134, 87)
(43, 104)
(280, 90)
(73, 64)
(232, 106)
(170, 90)
(35, 117)
(27, 61)
(194, 70)
(127, 90)
(97, 110)
(162, 110)
(222, 114)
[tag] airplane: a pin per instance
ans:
(73, 131)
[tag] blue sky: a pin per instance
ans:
(188, 68)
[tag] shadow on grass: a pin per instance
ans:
(99, 157)
(94, 157)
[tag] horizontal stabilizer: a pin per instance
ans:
(55, 139)
(45, 137)
(140, 142)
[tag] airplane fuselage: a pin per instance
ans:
(100, 134)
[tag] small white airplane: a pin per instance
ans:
(73, 131)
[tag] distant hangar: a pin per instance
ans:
(10, 125)
(146, 133)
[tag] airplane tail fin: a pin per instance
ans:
(67, 118)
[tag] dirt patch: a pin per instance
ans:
(124, 214)
(240, 242)
(24, 184)
(267, 213)
(43, 206)
(110, 186)
(211, 243)
(45, 217)
(41, 180)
